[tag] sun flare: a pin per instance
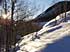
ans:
(6, 16)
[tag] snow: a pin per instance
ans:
(40, 41)
(38, 44)
(59, 19)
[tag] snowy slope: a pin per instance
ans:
(60, 18)
(37, 41)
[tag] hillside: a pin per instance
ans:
(51, 38)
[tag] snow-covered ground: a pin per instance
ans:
(48, 35)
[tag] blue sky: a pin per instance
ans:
(43, 4)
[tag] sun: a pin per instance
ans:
(6, 16)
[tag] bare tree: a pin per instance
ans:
(24, 10)
(53, 2)
(65, 8)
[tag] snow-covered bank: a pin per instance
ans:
(38, 41)
(30, 45)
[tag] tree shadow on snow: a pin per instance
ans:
(62, 45)
(53, 29)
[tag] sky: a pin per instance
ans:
(43, 5)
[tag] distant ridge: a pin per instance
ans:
(52, 12)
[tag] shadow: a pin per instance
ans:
(17, 48)
(51, 30)
(62, 45)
